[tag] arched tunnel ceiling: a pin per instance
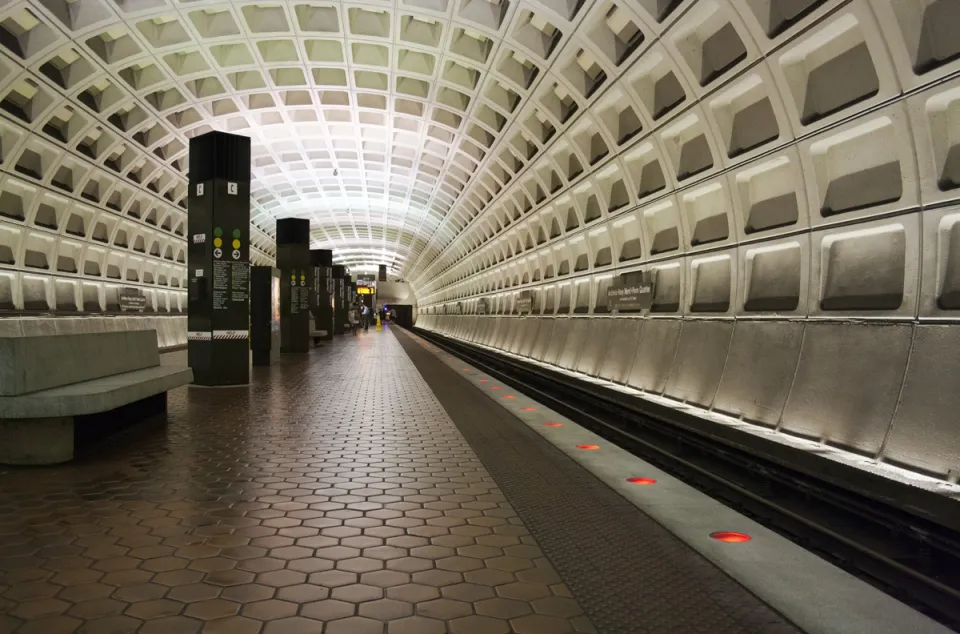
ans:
(417, 132)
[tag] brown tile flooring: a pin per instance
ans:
(334, 496)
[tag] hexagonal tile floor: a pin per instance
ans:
(333, 496)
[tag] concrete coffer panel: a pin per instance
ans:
(760, 368)
(543, 338)
(502, 332)
(558, 340)
(848, 382)
(591, 357)
(698, 365)
(491, 334)
(513, 333)
(924, 434)
(621, 349)
(485, 328)
(579, 334)
(498, 324)
(654, 360)
(531, 327)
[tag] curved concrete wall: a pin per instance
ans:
(884, 390)
(791, 171)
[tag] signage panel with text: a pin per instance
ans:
(630, 296)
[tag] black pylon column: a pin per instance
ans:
(296, 282)
(348, 296)
(265, 315)
(351, 292)
(218, 259)
(322, 261)
(339, 299)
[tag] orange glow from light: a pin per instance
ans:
(484, 380)
(529, 409)
(641, 481)
(730, 537)
(588, 447)
(495, 387)
(553, 424)
(509, 396)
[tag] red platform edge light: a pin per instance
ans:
(730, 537)
(484, 380)
(529, 409)
(495, 387)
(641, 481)
(588, 447)
(553, 424)
(509, 396)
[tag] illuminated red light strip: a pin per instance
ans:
(529, 409)
(553, 424)
(730, 537)
(641, 481)
(588, 447)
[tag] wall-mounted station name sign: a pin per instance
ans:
(525, 302)
(131, 300)
(365, 290)
(631, 292)
(630, 297)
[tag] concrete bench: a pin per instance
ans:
(51, 384)
(317, 335)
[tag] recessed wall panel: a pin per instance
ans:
(847, 384)
(701, 354)
(591, 357)
(759, 371)
(924, 431)
(654, 360)
(621, 349)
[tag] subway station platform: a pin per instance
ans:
(366, 488)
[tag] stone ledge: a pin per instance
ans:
(95, 396)
(34, 363)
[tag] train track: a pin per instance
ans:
(907, 556)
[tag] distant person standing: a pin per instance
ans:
(354, 322)
(365, 317)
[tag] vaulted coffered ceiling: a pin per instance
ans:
(418, 133)
(374, 120)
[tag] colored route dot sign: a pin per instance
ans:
(236, 244)
(236, 233)
(217, 242)
(218, 232)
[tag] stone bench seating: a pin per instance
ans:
(49, 384)
(317, 335)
